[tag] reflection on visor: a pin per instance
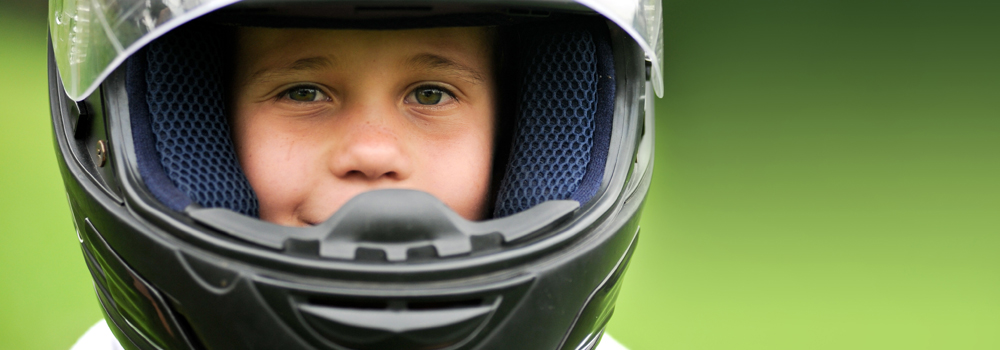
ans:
(91, 38)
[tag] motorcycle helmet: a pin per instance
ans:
(168, 222)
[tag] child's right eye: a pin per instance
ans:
(305, 94)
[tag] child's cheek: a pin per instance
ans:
(460, 170)
(274, 155)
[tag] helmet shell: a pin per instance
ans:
(174, 279)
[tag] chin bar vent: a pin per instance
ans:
(411, 318)
(399, 325)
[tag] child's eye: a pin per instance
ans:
(429, 95)
(305, 94)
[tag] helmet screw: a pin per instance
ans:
(102, 153)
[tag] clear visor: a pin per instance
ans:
(93, 37)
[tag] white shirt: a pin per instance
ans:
(99, 337)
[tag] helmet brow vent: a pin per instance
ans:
(528, 12)
(393, 9)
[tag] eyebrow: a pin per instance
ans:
(421, 61)
(432, 61)
(300, 65)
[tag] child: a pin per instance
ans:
(320, 116)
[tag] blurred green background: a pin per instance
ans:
(826, 178)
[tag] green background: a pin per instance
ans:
(826, 178)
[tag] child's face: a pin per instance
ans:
(320, 116)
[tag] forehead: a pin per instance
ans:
(277, 46)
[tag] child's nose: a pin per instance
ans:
(371, 148)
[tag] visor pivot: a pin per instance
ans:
(101, 152)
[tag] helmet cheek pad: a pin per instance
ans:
(560, 145)
(179, 124)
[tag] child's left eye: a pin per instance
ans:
(429, 96)
(305, 94)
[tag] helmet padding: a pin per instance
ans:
(177, 92)
(183, 144)
(564, 118)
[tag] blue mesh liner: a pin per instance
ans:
(557, 152)
(148, 161)
(603, 116)
(186, 100)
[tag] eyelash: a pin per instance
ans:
(435, 87)
(287, 93)
(443, 89)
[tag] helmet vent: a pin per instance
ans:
(403, 317)
(443, 304)
(401, 324)
(363, 304)
(528, 12)
(382, 304)
(393, 9)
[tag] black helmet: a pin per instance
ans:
(168, 222)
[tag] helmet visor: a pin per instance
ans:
(91, 38)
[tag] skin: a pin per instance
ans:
(320, 116)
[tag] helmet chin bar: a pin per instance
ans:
(396, 224)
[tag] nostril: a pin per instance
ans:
(355, 173)
(368, 160)
(392, 175)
